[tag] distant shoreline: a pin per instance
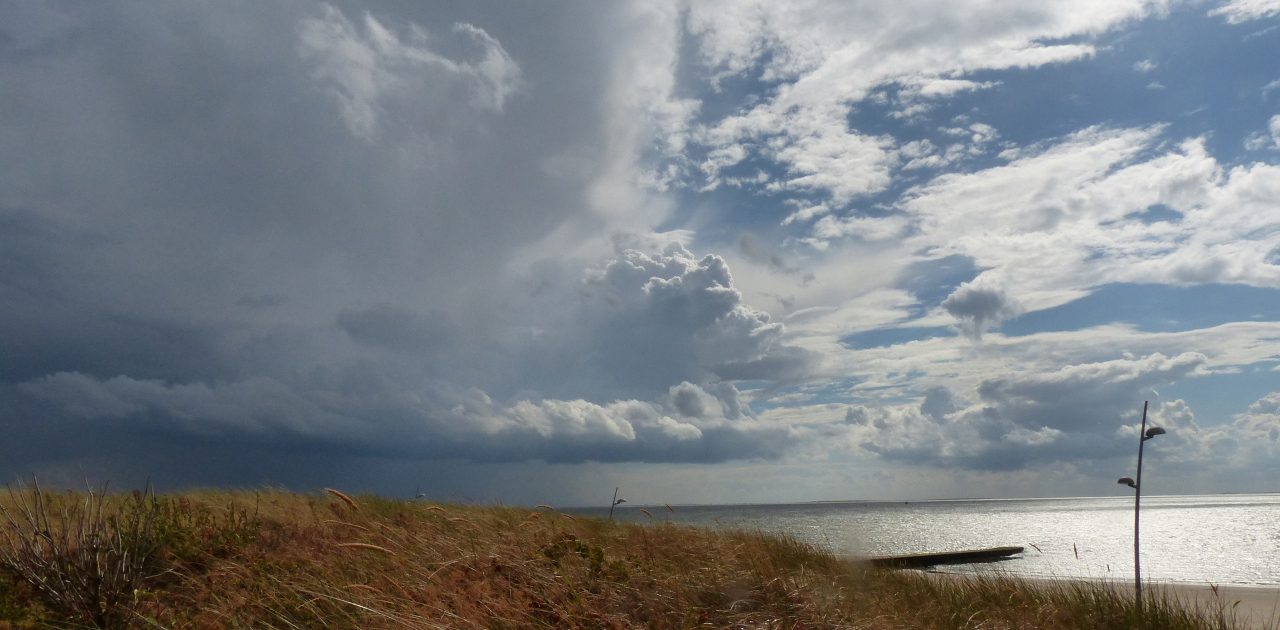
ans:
(636, 506)
(1049, 529)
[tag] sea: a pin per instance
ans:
(1230, 539)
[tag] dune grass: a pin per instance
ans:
(281, 560)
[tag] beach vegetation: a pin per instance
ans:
(274, 559)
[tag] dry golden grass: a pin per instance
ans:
(345, 499)
(281, 560)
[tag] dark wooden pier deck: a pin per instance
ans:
(922, 560)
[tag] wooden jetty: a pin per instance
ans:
(922, 560)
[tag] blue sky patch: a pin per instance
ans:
(1154, 308)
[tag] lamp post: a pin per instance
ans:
(1144, 434)
(615, 503)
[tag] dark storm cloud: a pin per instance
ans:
(305, 228)
(358, 414)
(680, 314)
(203, 133)
(397, 330)
(261, 301)
(52, 320)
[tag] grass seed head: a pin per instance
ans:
(345, 499)
(357, 545)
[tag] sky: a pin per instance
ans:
(713, 251)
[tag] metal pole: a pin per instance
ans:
(1137, 501)
(615, 494)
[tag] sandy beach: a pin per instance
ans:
(1258, 605)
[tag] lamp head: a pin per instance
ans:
(1152, 432)
(1125, 481)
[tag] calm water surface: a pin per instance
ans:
(1224, 539)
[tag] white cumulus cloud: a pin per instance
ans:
(368, 67)
(1237, 11)
(828, 56)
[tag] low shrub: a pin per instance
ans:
(84, 559)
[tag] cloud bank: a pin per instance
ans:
(362, 237)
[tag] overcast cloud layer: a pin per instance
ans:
(714, 251)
